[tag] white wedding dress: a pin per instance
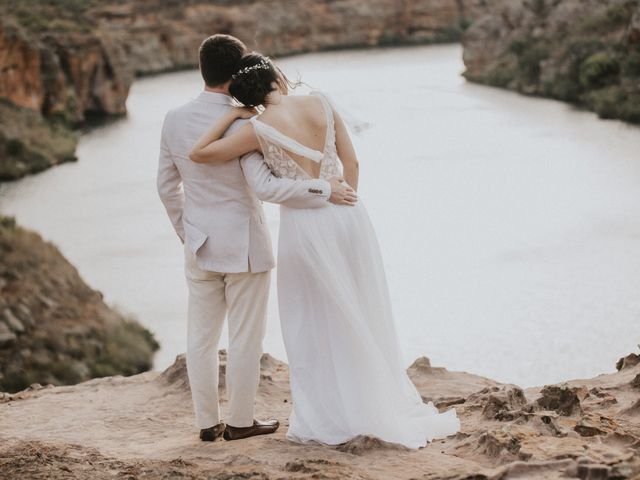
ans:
(347, 374)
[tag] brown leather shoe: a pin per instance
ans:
(211, 434)
(258, 428)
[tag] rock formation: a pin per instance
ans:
(54, 329)
(30, 143)
(142, 427)
(62, 61)
(582, 51)
(66, 60)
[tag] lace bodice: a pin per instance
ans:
(276, 147)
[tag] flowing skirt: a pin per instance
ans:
(347, 373)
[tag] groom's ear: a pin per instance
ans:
(219, 56)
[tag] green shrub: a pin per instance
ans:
(618, 15)
(562, 88)
(14, 147)
(30, 143)
(630, 108)
(500, 76)
(448, 34)
(583, 47)
(566, 84)
(530, 53)
(614, 17)
(538, 7)
(631, 64)
(529, 60)
(606, 102)
(519, 45)
(389, 37)
(599, 70)
(464, 23)
(7, 223)
(64, 371)
(128, 350)
(16, 380)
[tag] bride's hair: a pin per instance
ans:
(257, 77)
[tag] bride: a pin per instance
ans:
(347, 374)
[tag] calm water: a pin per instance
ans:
(510, 226)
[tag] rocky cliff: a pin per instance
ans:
(141, 427)
(73, 58)
(54, 329)
(30, 142)
(582, 51)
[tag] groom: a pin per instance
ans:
(216, 211)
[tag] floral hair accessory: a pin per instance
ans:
(263, 65)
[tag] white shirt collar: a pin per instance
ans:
(215, 97)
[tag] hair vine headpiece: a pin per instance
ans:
(263, 65)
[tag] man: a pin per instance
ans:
(216, 212)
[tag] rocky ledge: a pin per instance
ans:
(141, 427)
(54, 329)
(69, 59)
(585, 52)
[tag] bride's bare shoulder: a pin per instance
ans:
(291, 106)
(305, 105)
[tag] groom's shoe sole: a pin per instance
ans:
(211, 434)
(258, 428)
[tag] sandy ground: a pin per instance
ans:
(142, 427)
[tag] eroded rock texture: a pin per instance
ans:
(141, 427)
(582, 51)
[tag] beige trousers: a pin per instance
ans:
(242, 298)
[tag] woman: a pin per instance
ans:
(347, 376)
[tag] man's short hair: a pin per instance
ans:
(219, 56)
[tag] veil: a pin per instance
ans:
(354, 123)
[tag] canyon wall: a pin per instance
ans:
(585, 52)
(61, 62)
(72, 59)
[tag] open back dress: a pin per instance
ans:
(347, 372)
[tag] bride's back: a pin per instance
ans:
(302, 118)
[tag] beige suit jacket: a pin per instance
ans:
(216, 209)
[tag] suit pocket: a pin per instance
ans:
(194, 238)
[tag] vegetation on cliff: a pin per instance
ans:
(53, 327)
(29, 143)
(585, 52)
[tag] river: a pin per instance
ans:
(510, 225)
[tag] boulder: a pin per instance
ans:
(629, 361)
(562, 399)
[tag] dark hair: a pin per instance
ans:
(256, 77)
(219, 56)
